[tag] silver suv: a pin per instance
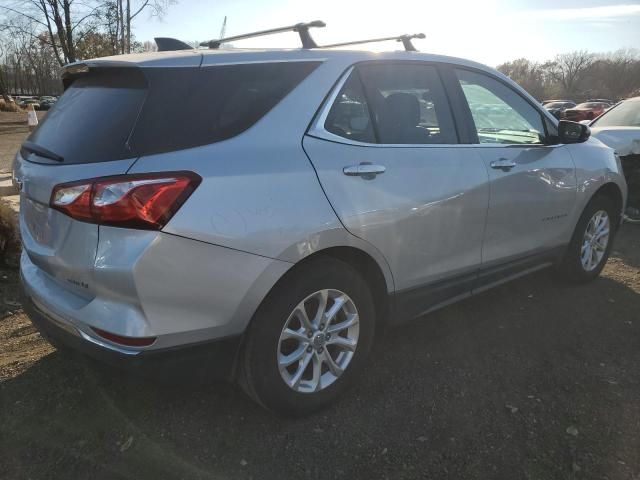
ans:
(263, 214)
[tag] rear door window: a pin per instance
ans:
(393, 103)
(409, 103)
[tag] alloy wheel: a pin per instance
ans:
(595, 240)
(318, 341)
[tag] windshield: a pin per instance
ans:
(626, 114)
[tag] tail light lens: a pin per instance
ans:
(145, 201)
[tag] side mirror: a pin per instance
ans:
(572, 132)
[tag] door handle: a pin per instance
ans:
(365, 170)
(503, 164)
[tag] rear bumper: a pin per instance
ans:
(207, 360)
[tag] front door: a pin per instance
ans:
(387, 155)
(533, 183)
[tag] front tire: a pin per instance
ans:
(310, 338)
(591, 242)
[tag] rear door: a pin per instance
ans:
(87, 130)
(386, 151)
(533, 182)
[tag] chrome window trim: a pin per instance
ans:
(324, 135)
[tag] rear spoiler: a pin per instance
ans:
(73, 70)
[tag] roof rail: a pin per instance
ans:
(405, 39)
(301, 28)
(166, 44)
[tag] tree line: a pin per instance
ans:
(579, 76)
(37, 37)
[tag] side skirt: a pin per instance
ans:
(416, 302)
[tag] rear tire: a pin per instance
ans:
(292, 325)
(591, 242)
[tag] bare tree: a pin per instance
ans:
(64, 21)
(27, 64)
(616, 74)
(568, 69)
(158, 8)
(118, 16)
(4, 91)
(526, 73)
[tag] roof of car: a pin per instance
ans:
(226, 56)
(235, 55)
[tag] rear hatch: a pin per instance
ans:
(85, 135)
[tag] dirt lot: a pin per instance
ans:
(533, 380)
(13, 131)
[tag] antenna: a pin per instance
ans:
(171, 44)
(301, 28)
(405, 39)
(223, 30)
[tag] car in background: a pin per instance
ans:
(601, 100)
(25, 102)
(47, 102)
(585, 111)
(557, 107)
(546, 102)
(619, 128)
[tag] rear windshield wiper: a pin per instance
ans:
(41, 151)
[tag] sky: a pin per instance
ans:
(488, 31)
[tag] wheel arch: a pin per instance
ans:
(377, 276)
(613, 192)
(370, 270)
(363, 262)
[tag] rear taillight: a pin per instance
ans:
(145, 201)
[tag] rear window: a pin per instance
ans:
(114, 113)
(92, 121)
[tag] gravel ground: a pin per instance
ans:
(13, 131)
(532, 380)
